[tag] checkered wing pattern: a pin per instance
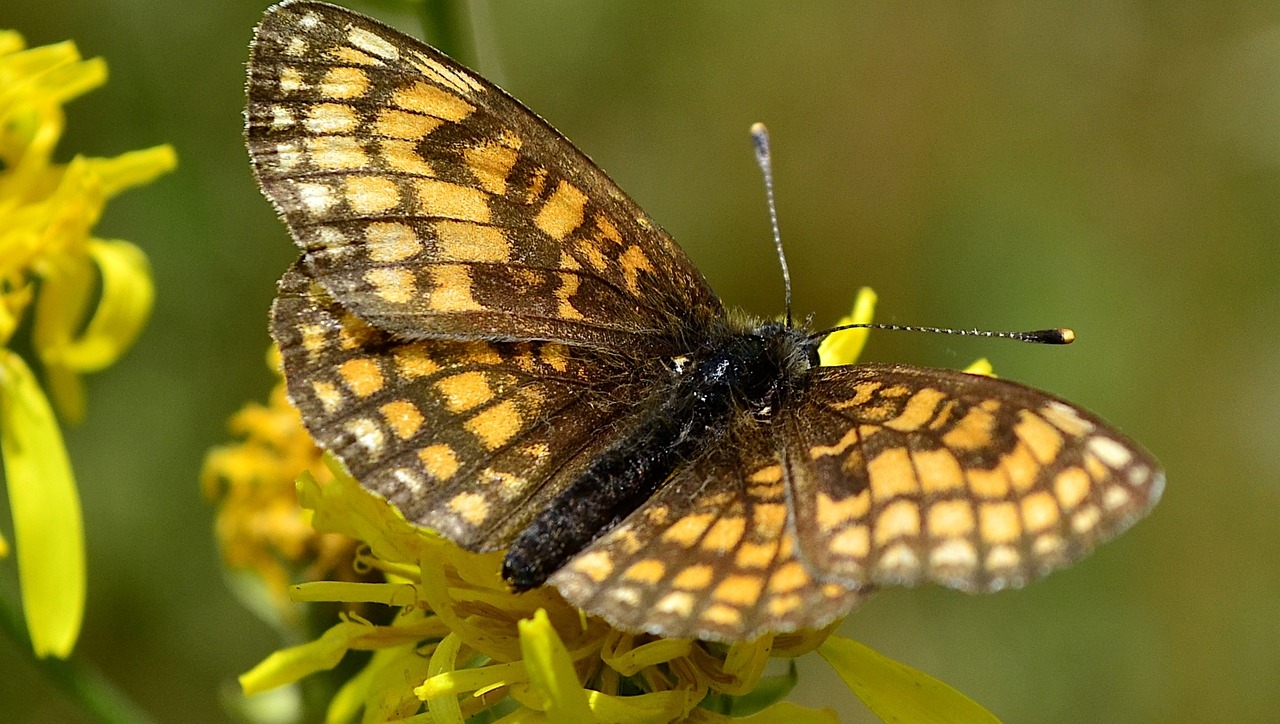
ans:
(432, 204)
(469, 438)
(903, 474)
(712, 555)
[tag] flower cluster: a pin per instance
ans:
(86, 299)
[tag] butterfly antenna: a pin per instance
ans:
(1058, 335)
(760, 136)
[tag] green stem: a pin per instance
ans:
(84, 684)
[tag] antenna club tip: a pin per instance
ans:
(759, 129)
(1059, 335)
(1067, 334)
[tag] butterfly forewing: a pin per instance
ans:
(903, 474)
(432, 204)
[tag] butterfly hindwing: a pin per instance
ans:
(902, 474)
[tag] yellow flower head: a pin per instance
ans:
(89, 299)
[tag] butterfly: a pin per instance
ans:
(493, 337)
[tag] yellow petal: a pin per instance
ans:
(288, 665)
(844, 348)
(444, 707)
(123, 308)
(551, 671)
(133, 168)
(982, 367)
(897, 692)
(47, 524)
(652, 707)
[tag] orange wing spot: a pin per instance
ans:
(951, 519)
(328, 395)
(388, 242)
(394, 285)
(291, 81)
(756, 555)
(471, 507)
(891, 475)
(395, 123)
(851, 437)
(1042, 438)
(344, 82)
(832, 514)
(412, 362)
(451, 289)
(649, 570)
(721, 614)
(938, 470)
(482, 353)
(351, 55)
(496, 425)
(564, 293)
(943, 418)
(724, 534)
(1066, 419)
(789, 577)
(999, 522)
(440, 461)
(677, 603)
(370, 195)
(353, 333)
(432, 101)
(739, 590)
(469, 241)
(318, 198)
(1096, 469)
(325, 119)
(767, 474)
(896, 391)
(314, 339)
(766, 492)
(1003, 560)
(442, 199)
(403, 417)
(634, 261)
(1040, 512)
(403, 156)
(1109, 451)
(854, 542)
(686, 531)
(1072, 487)
(563, 212)
(956, 554)
(780, 606)
(769, 519)
(974, 430)
(989, 484)
(900, 519)
(491, 162)
(1085, 520)
(554, 355)
(362, 376)
(367, 434)
(918, 410)
(596, 565)
(695, 577)
(1021, 467)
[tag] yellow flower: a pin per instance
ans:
(461, 643)
(52, 268)
(260, 527)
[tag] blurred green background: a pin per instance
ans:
(1109, 166)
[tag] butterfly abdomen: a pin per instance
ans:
(745, 374)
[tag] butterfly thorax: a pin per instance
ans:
(741, 371)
